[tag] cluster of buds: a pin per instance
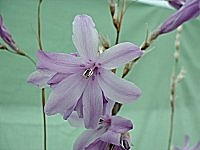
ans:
(117, 19)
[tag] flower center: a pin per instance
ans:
(88, 73)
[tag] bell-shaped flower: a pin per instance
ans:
(112, 132)
(190, 10)
(186, 145)
(85, 83)
(6, 36)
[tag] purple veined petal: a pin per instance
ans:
(119, 54)
(85, 37)
(79, 107)
(92, 103)
(57, 78)
(119, 124)
(111, 137)
(87, 137)
(188, 11)
(40, 77)
(98, 145)
(117, 89)
(6, 36)
(108, 106)
(75, 121)
(59, 62)
(65, 95)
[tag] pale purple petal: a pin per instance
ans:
(85, 37)
(75, 121)
(119, 124)
(65, 95)
(119, 55)
(6, 36)
(108, 106)
(59, 62)
(57, 78)
(87, 137)
(117, 89)
(79, 107)
(40, 77)
(188, 11)
(111, 137)
(98, 145)
(92, 103)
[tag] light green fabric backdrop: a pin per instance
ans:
(20, 103)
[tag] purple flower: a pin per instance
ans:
(111, 131)
(188, 11)
(6, 36)
(186, 145)
(176, 3)
(85, 83)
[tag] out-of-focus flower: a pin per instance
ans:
(176, 3)
(85, 83)
(188, 11)
(186, 145)
(6, 36)
(112, 131)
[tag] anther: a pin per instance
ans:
(88, 73)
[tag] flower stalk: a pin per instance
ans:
(174, 80)
(43, 89)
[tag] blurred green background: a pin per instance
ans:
(20, 103)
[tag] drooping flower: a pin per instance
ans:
(6, 36)
(186, 145)
(112, 131)
(85, 83)
(176, 3)
(190, 10)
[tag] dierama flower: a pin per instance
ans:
(186, 145)
(84, 83)
(188, 11)
(177, 4)
(6, 36)
(112, 131)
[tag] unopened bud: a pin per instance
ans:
(180, 29)
(112, 7)
(177, 44)
(181, 75)
(105, 42)
(176, 55)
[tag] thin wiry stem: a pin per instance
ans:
(174, 81)
(43, 90)
(30, 58)
(117, 25)
(20, 52)
(172, 103)
(39, 29)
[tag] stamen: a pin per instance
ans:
(88, 73)
(126, 144)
